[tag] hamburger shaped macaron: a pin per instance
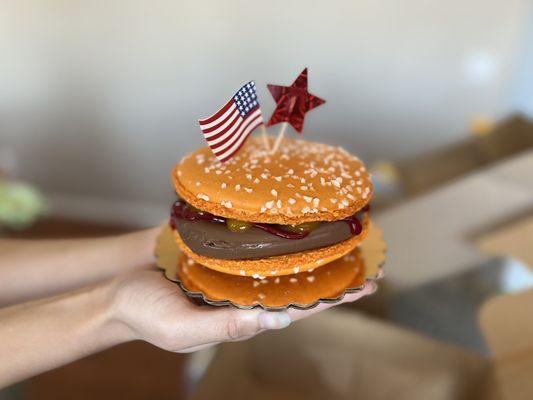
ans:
(265, 216)
(269, 222)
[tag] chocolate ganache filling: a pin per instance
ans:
(208, 235)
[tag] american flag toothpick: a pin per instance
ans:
(227, 130)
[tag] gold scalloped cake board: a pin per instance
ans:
(168, 254)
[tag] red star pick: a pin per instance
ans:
(293, 102)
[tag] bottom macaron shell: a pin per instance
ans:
(300, 289)
(287, 264)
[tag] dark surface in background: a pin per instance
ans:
(435, 168)
(448, 309)
(135, 370)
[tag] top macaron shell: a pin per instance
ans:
(302, 182)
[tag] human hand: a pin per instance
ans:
(142, 305)
(149, 307)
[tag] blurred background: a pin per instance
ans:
(99, 99)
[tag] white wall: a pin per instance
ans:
(521, 91)
(101, 97)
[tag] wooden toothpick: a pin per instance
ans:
(265, 137)
(280, 137)
(281, 133)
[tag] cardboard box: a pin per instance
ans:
(340, 355)
(507, 322)
(443, 224)
(435, 168)
(514, 239)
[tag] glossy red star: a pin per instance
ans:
(293, 102)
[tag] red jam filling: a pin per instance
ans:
(183, 210)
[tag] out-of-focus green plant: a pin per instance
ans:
(20, 204)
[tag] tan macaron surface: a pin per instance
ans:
(302, 288)
(303, 181)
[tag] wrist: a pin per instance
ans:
(139, 246)
(107, 318)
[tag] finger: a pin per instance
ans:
(230, 324)
(208, 345)
(369, 288)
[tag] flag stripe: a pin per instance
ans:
(217, 115)
(226, 156)
(222, 117)
(223, 141)
(223, 137)
(232, 119)
(227, 146)
(212, 138)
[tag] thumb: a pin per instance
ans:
(229, 324)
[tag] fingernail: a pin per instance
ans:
(274, 320)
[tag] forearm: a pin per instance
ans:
(31, 269)
(42, 335)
